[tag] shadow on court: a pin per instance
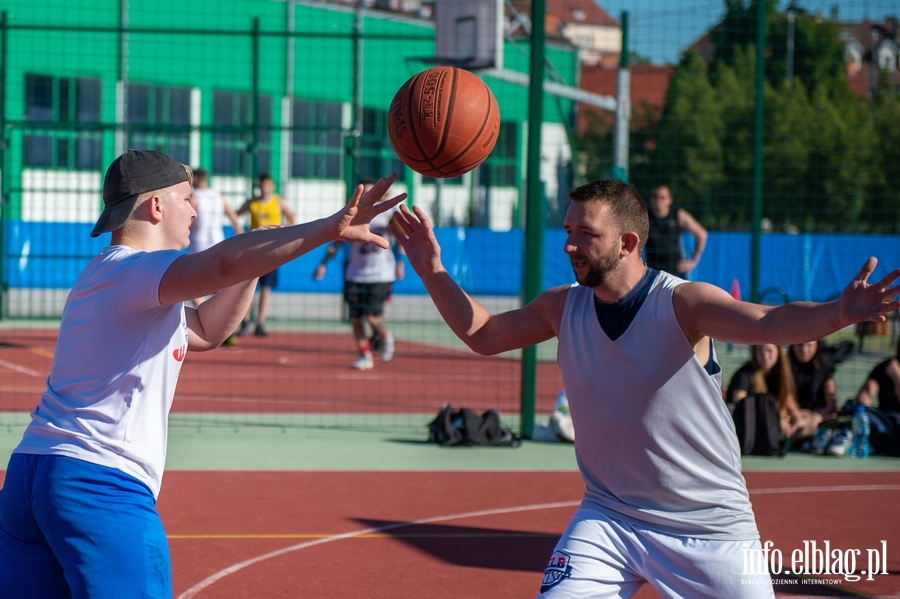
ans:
(488, 548)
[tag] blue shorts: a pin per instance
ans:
(69, 528)
(270, 279)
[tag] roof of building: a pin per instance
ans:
(581, 11)
(649, 86)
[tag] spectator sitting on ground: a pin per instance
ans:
(768, 371)
(814, 378)
(884, 383)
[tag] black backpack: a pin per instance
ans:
(466, 427)
(758, 425)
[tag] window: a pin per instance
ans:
(500, 167)
(376, 156)
(233, 137)
(317, 143)
(159, 117)
(64, 105)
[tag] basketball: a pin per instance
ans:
(443, 122)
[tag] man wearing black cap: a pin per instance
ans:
(77, 509)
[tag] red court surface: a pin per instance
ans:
(431, 535)
(304, 372)
(467, 534)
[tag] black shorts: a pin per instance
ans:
(366, 299)
(270, 279)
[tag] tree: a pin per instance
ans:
(688, 157)
(789, 139)
(845, 159)
(817, 58)
(884, 207)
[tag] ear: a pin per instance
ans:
(630, 242)
(153, 207)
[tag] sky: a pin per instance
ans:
(661, 29)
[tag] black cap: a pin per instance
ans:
(131, 174)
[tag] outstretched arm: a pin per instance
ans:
(244, 257)
(705, 310)
(483, 332)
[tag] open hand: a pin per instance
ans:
(352, 222)
(861, 301)
(414, 233)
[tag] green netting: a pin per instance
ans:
(795, 185)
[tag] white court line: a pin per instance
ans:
(191, 592)
(194, 590)
(826, 489)
(17, 368)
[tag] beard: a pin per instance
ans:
(598, 269)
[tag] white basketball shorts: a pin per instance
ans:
(600, 558)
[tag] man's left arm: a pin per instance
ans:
(213, 321)
(706, 310)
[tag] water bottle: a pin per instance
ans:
(562, 402)
(860, 427)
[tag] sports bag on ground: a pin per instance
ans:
(466, 427)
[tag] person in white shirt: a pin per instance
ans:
(210, 206)
(369, 277)
(77, 507)
(665, 502)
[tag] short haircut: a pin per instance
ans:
(624, 201)
(367, 181)
(264, 177)
(200, 174)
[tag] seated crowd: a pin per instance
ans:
(793, 392)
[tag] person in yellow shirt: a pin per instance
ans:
(265, 210)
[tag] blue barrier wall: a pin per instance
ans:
(812, 267)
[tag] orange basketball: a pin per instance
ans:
(443, 122)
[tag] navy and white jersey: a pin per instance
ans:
(368, 262)
(654, 441)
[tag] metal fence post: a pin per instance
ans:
(534, 208)
(759, 128)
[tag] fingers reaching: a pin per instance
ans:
(404, 223)
(887, 281)
(422, 218)
(867, 269)
(377, 191)
(388, 204)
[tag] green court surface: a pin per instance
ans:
(205, 444)
(346, 442)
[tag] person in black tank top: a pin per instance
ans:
(663, 250)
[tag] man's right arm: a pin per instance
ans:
(253, 254)
(483, 332)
